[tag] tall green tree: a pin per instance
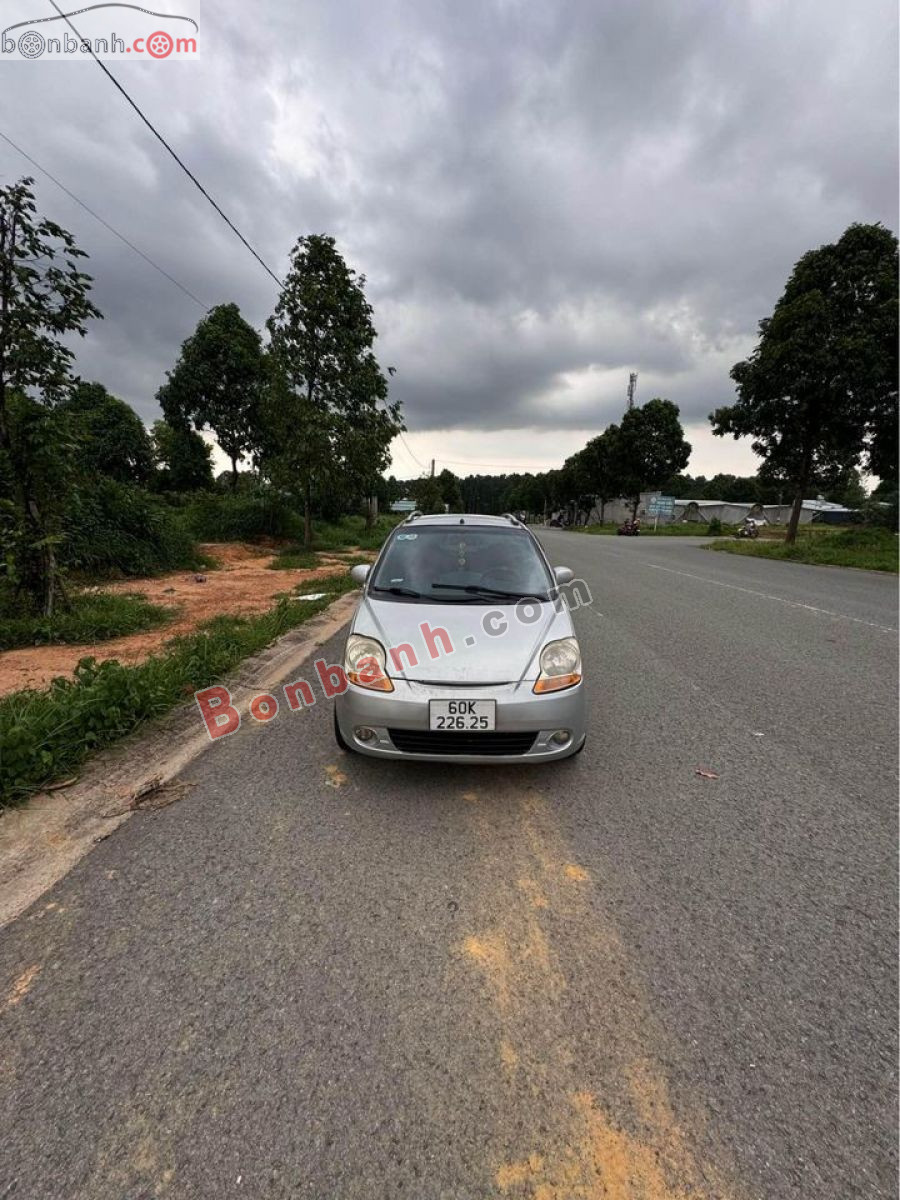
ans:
(217, 383)
(363, 453)
(184, 458)
(575, 485)
(600, 468)
(450, 490)
(44, 299)
(110, 436)
(322, 416)
(818, 395)
(647, 448)
(427, 494)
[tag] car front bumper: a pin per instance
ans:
(518, 711)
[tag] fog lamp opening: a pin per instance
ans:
(561, 737)
(364, 733)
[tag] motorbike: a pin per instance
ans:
(629, 529)
(749, 530)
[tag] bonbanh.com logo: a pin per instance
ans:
(141, 35)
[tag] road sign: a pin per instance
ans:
(661, 506)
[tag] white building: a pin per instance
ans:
(728, 512)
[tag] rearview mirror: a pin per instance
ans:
(358, 574)
(563, 574)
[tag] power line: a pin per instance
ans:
(193, 178)
(456, 462)
(105, 224)
(417, 461)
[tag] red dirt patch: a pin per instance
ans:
(242, 584)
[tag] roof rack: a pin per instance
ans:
(514, 520)
(413, 516)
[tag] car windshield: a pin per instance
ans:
(461, 564)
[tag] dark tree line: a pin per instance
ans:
(640, 453)
(309, 407)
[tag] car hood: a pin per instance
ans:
(476, 656)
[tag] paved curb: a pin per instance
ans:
(42, 840)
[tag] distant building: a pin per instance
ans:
(403, 506)
(729, 512)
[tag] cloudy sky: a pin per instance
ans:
(543, 196)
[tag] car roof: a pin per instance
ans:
(464, 518)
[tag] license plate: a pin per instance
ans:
(469, 715)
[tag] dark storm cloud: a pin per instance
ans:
(543, 197)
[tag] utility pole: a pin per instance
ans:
(432, 468)
(632, 388)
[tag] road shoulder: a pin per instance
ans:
(43, 839)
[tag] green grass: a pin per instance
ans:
(680, 529)
(351, 531)
(47, 735)
(357, 560)
(240, 518)
(294, 558)
(115, 530)
(867, 549)
(93, 617)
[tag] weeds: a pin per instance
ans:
(351, 532)
(241, 518)
(294, 558)
(91, 618)
(869, 549)
(679, 529)
(47, 735)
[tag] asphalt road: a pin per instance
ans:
(319, 976)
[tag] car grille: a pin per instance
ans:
(430, 741)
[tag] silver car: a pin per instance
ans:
(462, 648)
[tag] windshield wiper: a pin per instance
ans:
(476, 589)
(397, 591)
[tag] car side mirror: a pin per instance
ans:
(359, 573)
(563, 574)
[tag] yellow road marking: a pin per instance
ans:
(334, 776)
(22, 986)
(593, 1148)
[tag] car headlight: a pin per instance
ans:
(560, 666)
(364, 663)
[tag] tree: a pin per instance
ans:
(846, 489)
(43, 300)
(819, 392)
(526, 493)
(687, 487)
(110, 436)
(734, 489)
(450, 490)
(363, 454)
(599, 462)
(427, 494)
(185, 459)
(217, 382)
(322, 418)
(647, 448)
(573, 485)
